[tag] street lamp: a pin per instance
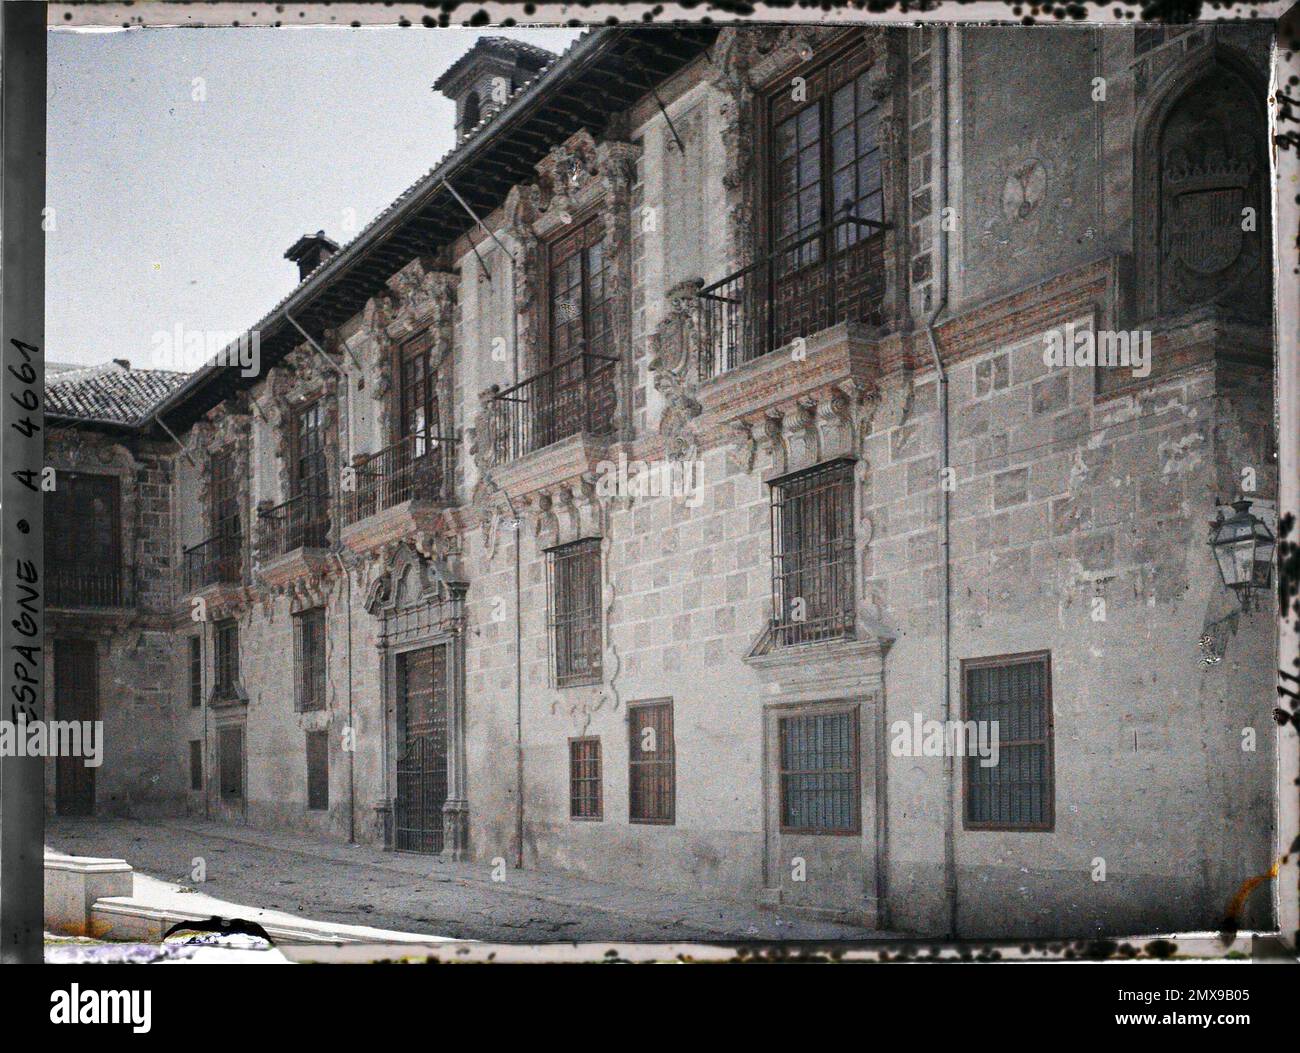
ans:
(1243, 548)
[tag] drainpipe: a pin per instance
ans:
(941, 387)
(347, 459)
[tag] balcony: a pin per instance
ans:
(84, 585)
(418, 467)
(573, 397)
(835, 275)
(294, 538)
(216, 561)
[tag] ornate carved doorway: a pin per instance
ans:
(422, 749)
(422, 653)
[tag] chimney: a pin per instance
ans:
(483, 79)
(310, 251)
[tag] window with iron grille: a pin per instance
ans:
(581, 312)
(819, 771)
(230, 743)
(318, 770)
(196, 671)
(574, 579)
(652, 764)
(309, 659)
(812, 555)
(196, 764)
(225, 671)
(1018, 792)
(584, 779)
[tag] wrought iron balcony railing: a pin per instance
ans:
(417, 467)
(217, 560)
(833, 275)
(300, 522)
(84, 585)
(574, 395)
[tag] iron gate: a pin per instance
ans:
(422, 755)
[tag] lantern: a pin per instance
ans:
(1243, 547)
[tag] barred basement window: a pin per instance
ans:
(230, 743)
(812, 555)
(1017, 793)
(584, 779)
(819, 772)
(309, 659)
(196, 671)
(226, 659)
(196, 764)
(318, 770)
(574, 581)
(652, 764)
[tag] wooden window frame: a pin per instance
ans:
(417, 346)
(574, 231)
(817, 74)
(305, 702)
(593, 627)
(196, 671)
(318, 801)
(225, 655)
(1048, 825)
(811, 711)
(634, 746)
(196, 765)
(577, 781)
(223, 734)
(297, 480)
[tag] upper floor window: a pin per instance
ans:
(812, 555)
(225, 669)
(581, 312)
(1017, 792)
(417, 414)
(196, 671)
(825, 162)
(83, 541)
(307, 519)
(575, 585)
(225, 495)
(309, 658)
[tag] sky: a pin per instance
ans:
(183, 162)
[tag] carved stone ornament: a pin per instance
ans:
(674, 367)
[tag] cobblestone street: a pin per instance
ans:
(329, 881)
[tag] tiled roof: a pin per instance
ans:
(109, 392)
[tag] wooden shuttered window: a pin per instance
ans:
(225, 669)
(819, 760)
(309, 659)
(652, 763)
(585, 798)
(196, 671)
(1018, 792)
(230, 745)
(318, 771)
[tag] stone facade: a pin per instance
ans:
(1077, 498)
